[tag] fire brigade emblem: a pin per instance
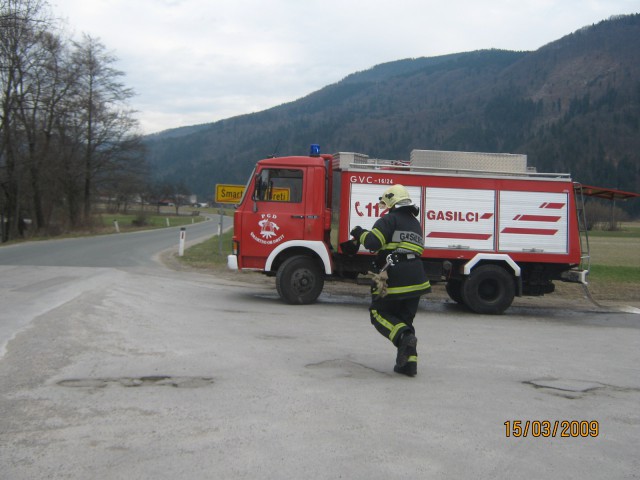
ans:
(268, 230)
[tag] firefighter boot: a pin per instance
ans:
(410, 369)
(406, 350)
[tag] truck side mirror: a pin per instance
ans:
(257, 192)
(257, 187)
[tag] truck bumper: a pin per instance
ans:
(232, 262)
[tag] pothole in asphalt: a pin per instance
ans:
(147, 381)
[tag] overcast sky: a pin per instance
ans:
(198, 61)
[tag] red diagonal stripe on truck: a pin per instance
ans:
(464, 236)
(536, 218)
(529, 231)
(554, 206)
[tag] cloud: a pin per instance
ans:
(197, 61)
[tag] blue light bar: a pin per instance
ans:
(315, 150)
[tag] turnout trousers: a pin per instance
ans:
(392, 317)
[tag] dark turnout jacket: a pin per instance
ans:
(399, 233)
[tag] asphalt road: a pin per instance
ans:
(115, 367)
(135, 249)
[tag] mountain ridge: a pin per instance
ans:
(573, 106)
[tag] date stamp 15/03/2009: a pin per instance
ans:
(552, 428)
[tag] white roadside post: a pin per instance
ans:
(117, 227)
(183, 234)
(221, 213)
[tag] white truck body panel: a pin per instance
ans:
(364, 202)
(534, 222)
(460, 218)
(480, 220)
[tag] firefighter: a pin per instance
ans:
(399, 277)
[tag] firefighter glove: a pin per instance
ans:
(350, 247)
(357, 232)
(379, 283)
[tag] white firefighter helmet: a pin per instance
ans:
(395, 196)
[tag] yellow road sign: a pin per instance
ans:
(280, 194)
(229, 193)
(233, 193)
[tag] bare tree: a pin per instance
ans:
(65, 127)
(101, 99)
(125, 180)
(50, 78)
(21, 22)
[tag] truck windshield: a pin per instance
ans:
(278, 185)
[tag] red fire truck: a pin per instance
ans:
(494, 228)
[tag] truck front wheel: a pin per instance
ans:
(489, 289)
(299, 280)
(454, 290)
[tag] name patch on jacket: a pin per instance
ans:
(412, 237)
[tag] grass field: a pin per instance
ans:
(615, 251)
(615, 263)
(630, 230)
(147, 221)
(207, 254)
(105, 223)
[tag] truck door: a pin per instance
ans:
(276, 213)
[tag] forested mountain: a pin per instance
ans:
(572, 106)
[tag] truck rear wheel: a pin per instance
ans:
(299, 280)
(489, 289)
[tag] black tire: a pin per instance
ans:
(454, 290)
(489, 289)
(299, 280)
